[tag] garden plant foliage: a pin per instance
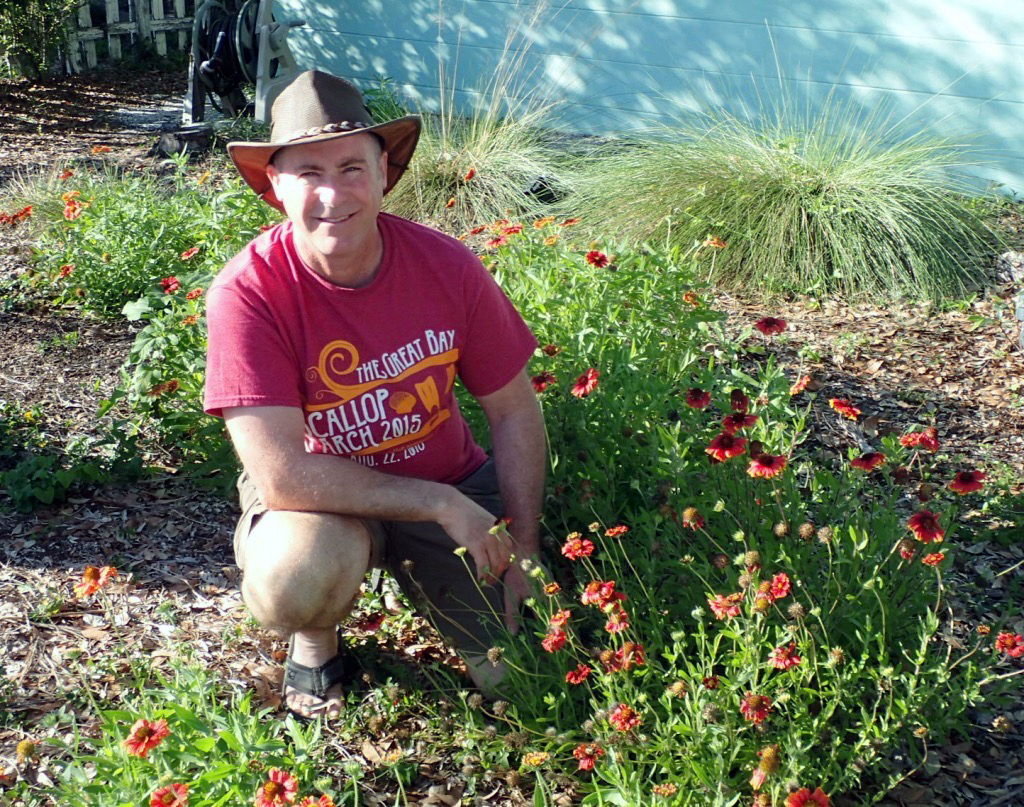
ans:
(718, 617)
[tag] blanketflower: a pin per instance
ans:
(597, 258)
(93, 579)
(725, 446)
(967, 482)
(692, 518)
(469, 175)
(542, 382)
(173, 795)
(535, 758)
(450, 203)
(554, 641)
(714, 241)
(780, 587)
(164, 386)
(602, 594)
(189, 253)
(551, 589)
(170, 284)
(925, 526)
(766, 466)
(281, 787)
(543, 222)
(933, 559)
(100, 149)
(478, 230)
(804, 796)
(551, 240)
(67, 269)
(630, 655)
(799, 385)
(512, 229)
(738, 401)
(696, 398)
(497, 241)
(710, 682)
(313, 801)
(560, 618)
(726, 606)
(755, 708)
(928, 439)
(569, 222)
(770, 325)
(586, 383)
(844, 408)
(618, 619)
(736, 421)
(868, 461)
(67, 174)
(691, 298)
(145, 735)
(191, 319)
(588, 754)
(576, 547)
(195, 294)
(1011, 644)
(614, 532)
(784, 657)
(73, 209)
(551, 350)
(623, 717)
(579, 675)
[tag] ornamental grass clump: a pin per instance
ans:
(840, 203)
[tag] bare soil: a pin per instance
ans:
(904, 366)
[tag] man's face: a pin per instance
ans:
(332, 191)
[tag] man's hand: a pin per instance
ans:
(470, 525)
(517, 588)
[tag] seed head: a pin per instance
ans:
(376, 724)
(551, 732)
(769, 758)
(666, 789)
(806, 531)
(499, 708)
(588, 726)
(720, 561)
(677, 689)
(825, 535)
(796, 610)
(26, 751)
(745, 580)
(475, 701)
(686, 560)
(513, 778)
(489, 732)
(494, 655)
(752, 558)
(711, 713)
(526, 565)
(762, 605)
(781, 529)
(407, 566)
(468, 770)
(836, 657)
(1002, 724)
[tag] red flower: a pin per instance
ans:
(615, 532)
(67, 174)
(497, 241)
(618, 619)
(279, 788)
(710, 682)
(469, 175)
(630, 655)
(766, 465)
(598, 259)
(67, 269)
(1011, 644)
(692, 518)
(189, 253)
(164, 386)
(579, 675)
(312, 801)
(170, 284)
(191, 319)
(780, 587)
(714, 241)
(755, 708)
(512, 229)
(738, 401)
(576, 547)
(73, 209)
(569, 222)
(869, 461)
(800, 385)
(145, 735)
(602, 594)
(586, 383)
(736, 421)
(933, 559)
(195, 294)
(587, 754)
(844, 408)
(696, 398)
(478, 230)
(100, 149)
(770, 325)
(967, 482)
(551, 350)
(691, 298)
(174, 795)
(784, 657)
(925, 526)
(623, 718)
(928, 439)
(93, 579)
(726, 446)
(804, 797)
(726, 606)
(555, 640)
(560, 619)
(450, 203)
(542, 382)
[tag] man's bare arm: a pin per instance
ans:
(271, 444)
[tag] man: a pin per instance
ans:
(335, 339)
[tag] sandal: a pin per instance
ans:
(314, 681)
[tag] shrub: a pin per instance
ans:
(833, 205)
(31, 32)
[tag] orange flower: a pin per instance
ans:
(478, 230)
(585, 384)
(726, 606)
(67, 174)
(195, 294)
(925, 526)
(100, 149)
(191, 319)
(967, 482)
(541, 223)
(804, 796)
(554, 640)
(170, 284)
(587, 754)
(623, 717)
(569, 223)
(312, 801)
(615, 532)
(714, 242)
(844, 408)
(725, 446)
(469, 175)
(1011, 644)
(784, 657)
(551, 240)
(146, 735)
(766, 466)
(279, 788)
(579, 675)
(450, 202)
(543, 381)
(692, 518)
(756, 708)
(928, 439)
(696, 398)
(93, 579)
(869, 461)
(174, 795)
(736, 421)
(191, 252)
(576, 547)
(800, 385)
(933, 559)
(67, 269)
(691, 298)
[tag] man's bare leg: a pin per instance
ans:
(302, 576)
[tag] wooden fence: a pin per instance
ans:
(120, 23)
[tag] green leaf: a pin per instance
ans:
(136, 310)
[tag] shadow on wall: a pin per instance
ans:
(618, 65)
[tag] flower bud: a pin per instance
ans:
(781, 529)
(806, 531)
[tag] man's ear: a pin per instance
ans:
(272, 175)
(384, 166)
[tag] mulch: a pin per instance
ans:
(904, 366)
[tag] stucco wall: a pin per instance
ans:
(950, 66)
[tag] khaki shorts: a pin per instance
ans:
(420, 556)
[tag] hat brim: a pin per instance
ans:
(400, 137)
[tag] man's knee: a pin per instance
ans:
(304, 569)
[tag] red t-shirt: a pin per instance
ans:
(372, 368)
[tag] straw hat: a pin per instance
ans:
(318, 106)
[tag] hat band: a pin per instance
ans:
(332, 128)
